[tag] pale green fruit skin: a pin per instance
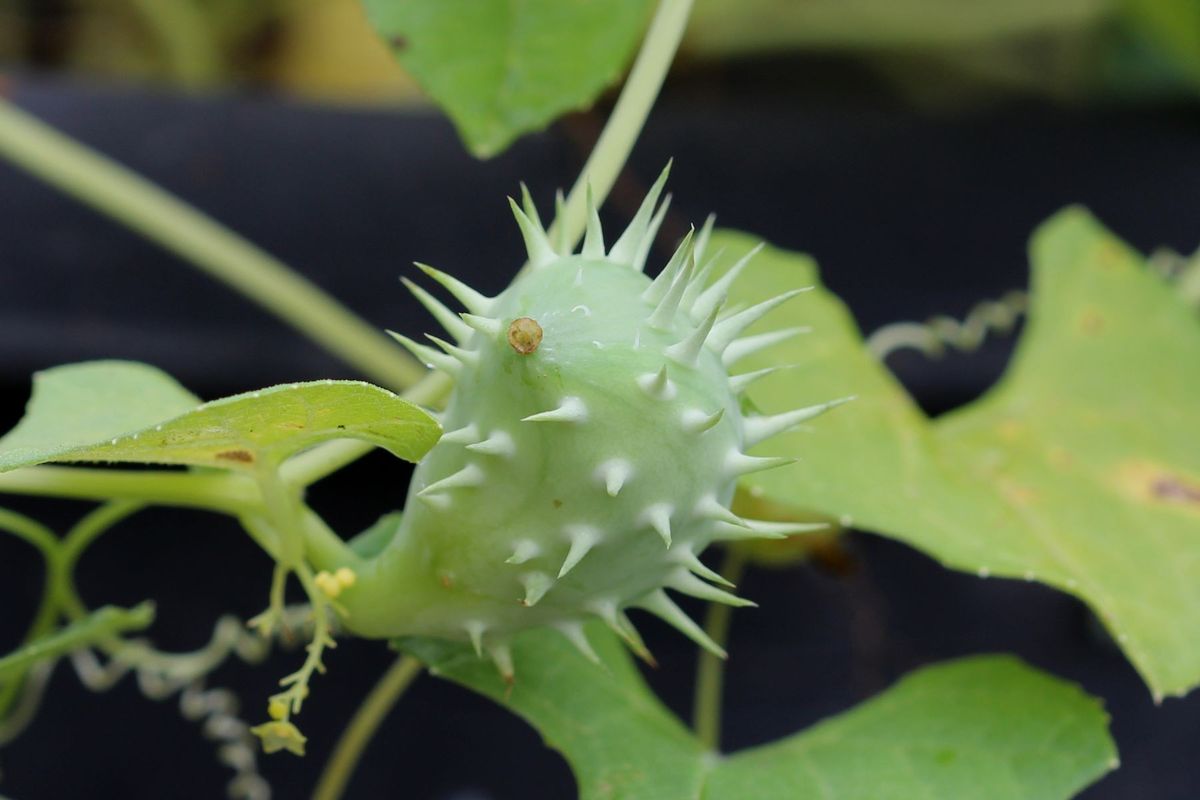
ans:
(446, 568)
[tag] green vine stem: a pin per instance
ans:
(41, 538)
(118, 192)
(629, 114)
(710, 670)
(362, 728)
(229, 493)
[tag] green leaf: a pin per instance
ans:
(97, 626)
(501, 68)
(1172, 30)
(125, 412)
(736, 27)
(1081, 469)
(988, 728)
(80, 404)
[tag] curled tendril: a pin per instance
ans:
(937, 334)
(998, 317)
(160, 675)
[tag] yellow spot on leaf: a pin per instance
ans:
(1010, 429)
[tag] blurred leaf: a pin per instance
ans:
(1081, 469)
(1173, 29)
(741, 26)
(501, 68)
(988, 728)
(95, 627)
(121, 411)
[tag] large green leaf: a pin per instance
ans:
(121, 411)
(501, 68)
(988, 728)
(1080, 469)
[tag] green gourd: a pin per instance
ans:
(594, 440)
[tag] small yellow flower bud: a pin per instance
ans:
(277, 709)
(328, 584)
(345, 577)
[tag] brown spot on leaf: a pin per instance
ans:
(557, 503)
(446, 581)
(243, 456)
(398, 42)
(524, 335)
(1171, 489)
(1155, 483)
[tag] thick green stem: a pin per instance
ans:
(361, 729)
(710, 671)
(133, 201)
(282, 503)
(230, 494)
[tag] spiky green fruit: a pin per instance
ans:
(594, 440)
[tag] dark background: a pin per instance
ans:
(908, 214)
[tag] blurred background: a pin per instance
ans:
(932, 52)
(910, 145)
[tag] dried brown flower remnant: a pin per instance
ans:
(524, 335)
